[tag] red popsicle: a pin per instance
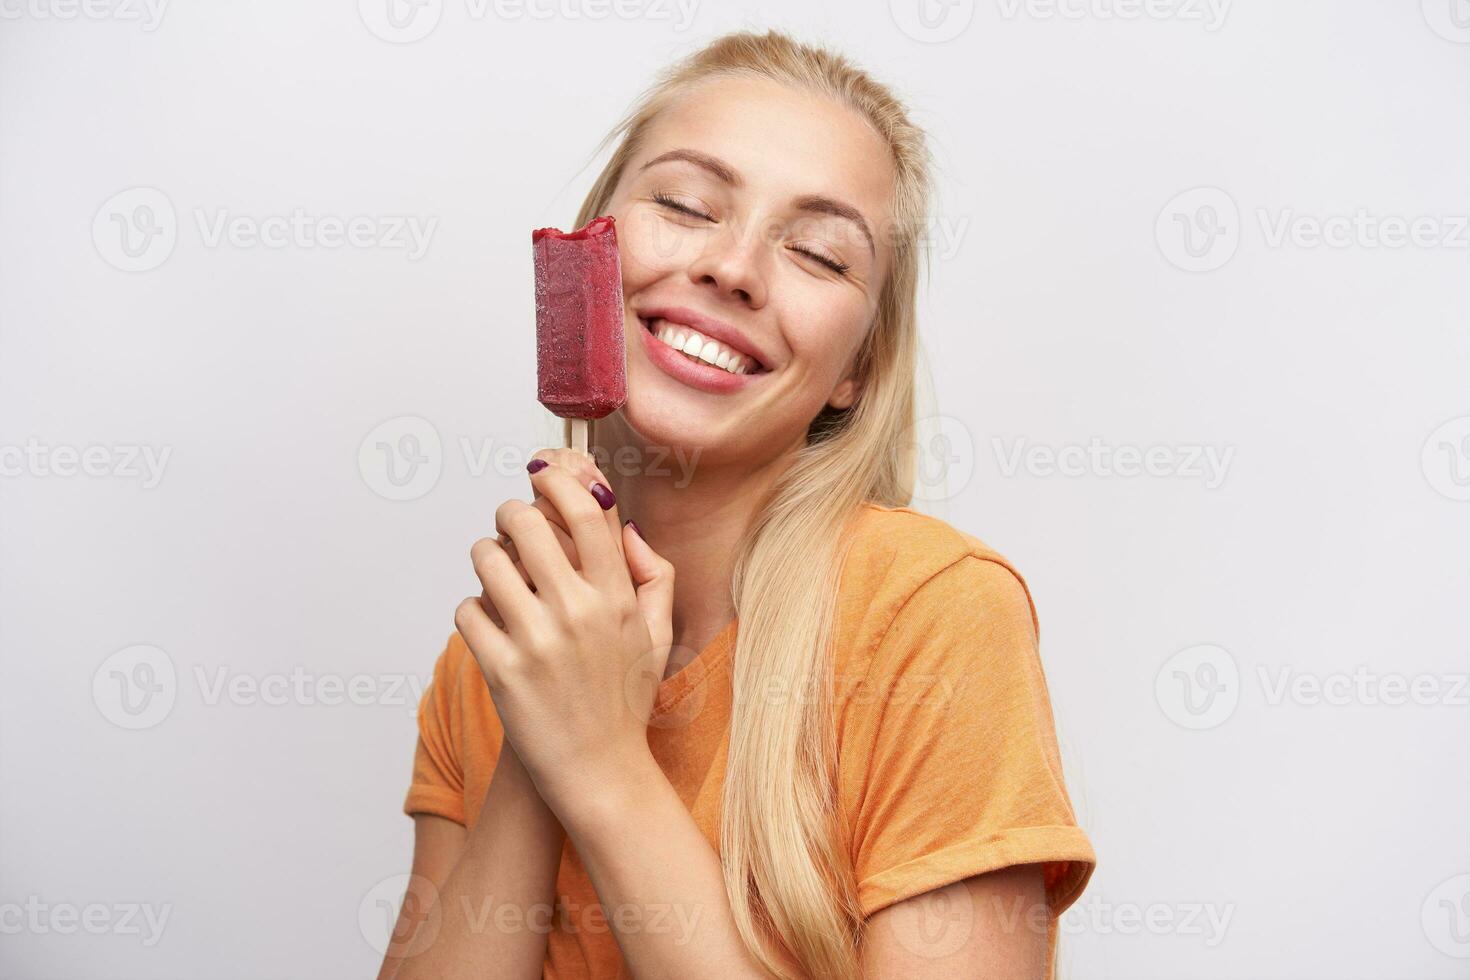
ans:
(581, 363)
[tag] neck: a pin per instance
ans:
(693, 511)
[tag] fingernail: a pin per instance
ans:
(605, 498)
(636, 529)
(536, 466)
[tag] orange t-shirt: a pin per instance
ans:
(947, 758)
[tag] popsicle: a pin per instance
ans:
(581, 363)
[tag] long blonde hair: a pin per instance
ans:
(787, 860)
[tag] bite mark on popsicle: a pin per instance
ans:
(581, 360)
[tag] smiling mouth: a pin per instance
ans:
(700, 349)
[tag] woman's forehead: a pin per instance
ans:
(778, 140)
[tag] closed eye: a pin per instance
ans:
(663, 199)
(841, 268)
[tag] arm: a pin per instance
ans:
(447, 925)
(662, 885)
(460, 879)
(656, 875)
(437, 844)
(989, 925)
(572, 661)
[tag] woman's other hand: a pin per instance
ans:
(582, 630)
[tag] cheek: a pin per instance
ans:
(825, 333)
(650, 247)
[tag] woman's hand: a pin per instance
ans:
(587, 471)
(575, 660)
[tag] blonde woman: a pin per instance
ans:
(847, 767)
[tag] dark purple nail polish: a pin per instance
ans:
(536, 465)
(636, 529)
(605, 498)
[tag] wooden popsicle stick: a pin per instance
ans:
(579, 432)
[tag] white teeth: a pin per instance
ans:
(703, 348)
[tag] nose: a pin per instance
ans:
(732, 264)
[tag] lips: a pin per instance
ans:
(692, 373)
(700, 348)
(709, 327)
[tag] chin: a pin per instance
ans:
(665, 422)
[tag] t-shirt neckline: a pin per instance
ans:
(673, 689)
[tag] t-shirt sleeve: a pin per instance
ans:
(964, 774)
(438, 779)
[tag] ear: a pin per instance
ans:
(844, 394)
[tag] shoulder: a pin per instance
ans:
(926, 577)
(947, 759)
(452, 662)
(457, 687)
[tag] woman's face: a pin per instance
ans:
(753, 215)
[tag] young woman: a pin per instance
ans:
(847, 767)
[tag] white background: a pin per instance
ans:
(1327, 836)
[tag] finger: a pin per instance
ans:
(537, 548)
(653, 581)
(547, 508)
(502, 583)
(486, 641)
(510, 549)
(515, 558)
(585, 468)
(581, 464)
(491, 611)
(591, 519)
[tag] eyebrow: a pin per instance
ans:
(825, 205)
(811, 203)
(714, 165)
